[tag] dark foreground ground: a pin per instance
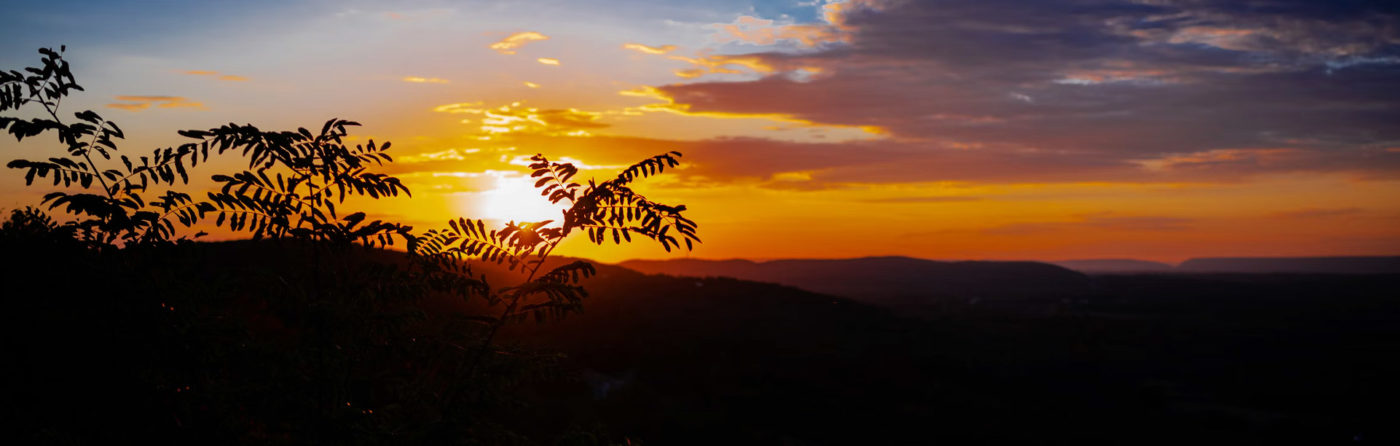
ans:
(1151, 360)
(93, 357)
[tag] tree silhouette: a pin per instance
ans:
(305, 339)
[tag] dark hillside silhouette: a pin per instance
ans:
(1300, 265)
(1242, 265)
(1153, 360)
(1115, 266)
(900, 282)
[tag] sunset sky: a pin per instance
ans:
(977, 129)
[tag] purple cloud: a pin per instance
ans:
(1102, 89)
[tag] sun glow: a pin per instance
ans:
(515, 198)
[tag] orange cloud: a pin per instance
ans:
(460, 107)
(138, 103)
(668, 104)
(720, 63)
(548, 61)
(453, 154)
(663, 49)
(690, 73)
(1211, 158)
(531, 84)
(514, 118)
(425, 80)
(215, 74)
(513, 42)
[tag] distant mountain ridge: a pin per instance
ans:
(1097, 266)
(910, 283)
(894, 281)
(1295, 265)
(1242, 265)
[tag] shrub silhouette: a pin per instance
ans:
(309, 336)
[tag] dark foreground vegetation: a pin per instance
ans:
(228, 341)
(274, 343)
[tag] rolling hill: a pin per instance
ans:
(1293, 265)
(898, 282)
(1115, 266)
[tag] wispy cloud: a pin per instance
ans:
(139, 103)
(515, 119)
(513, 42)
(453, 154)
(1227, 158)
(663, 49)
(724, 64)
(669, 105)
(425, 80)
(690, 73)
(460, 107)
(548, 61)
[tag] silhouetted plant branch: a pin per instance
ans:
(594, 209)
(120, 212)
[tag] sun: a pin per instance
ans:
(516, 199)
